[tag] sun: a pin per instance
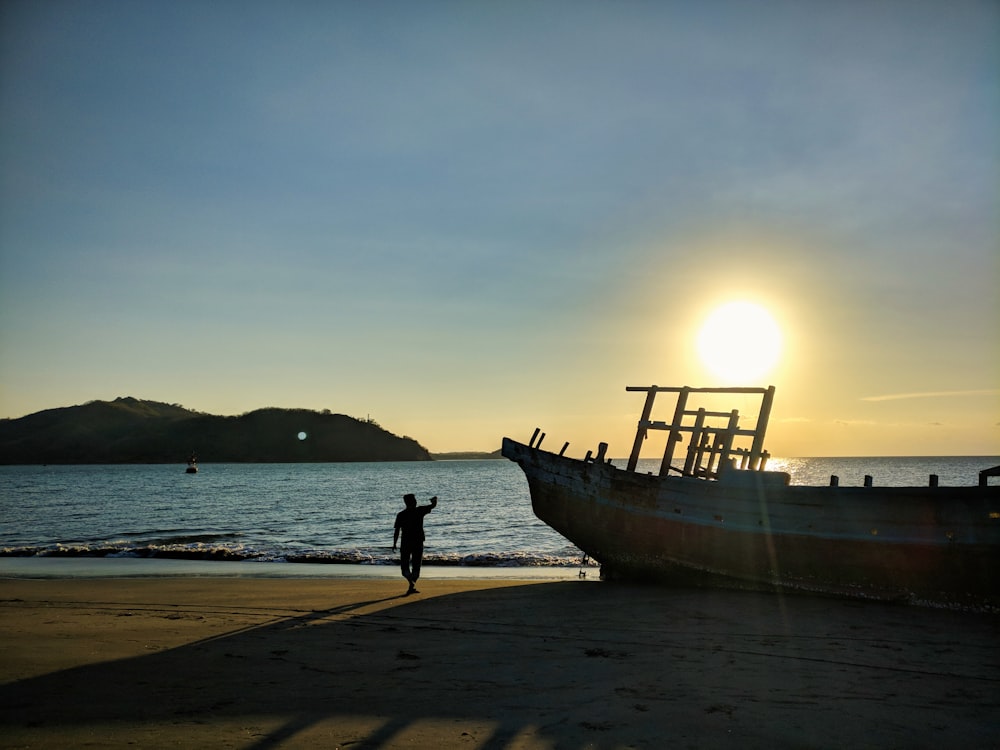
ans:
(739, 343)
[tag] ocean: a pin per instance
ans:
(300, 518)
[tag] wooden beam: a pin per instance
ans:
(757, 449)
(675, 435)
(640, 433)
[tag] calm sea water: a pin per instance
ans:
(339, 513)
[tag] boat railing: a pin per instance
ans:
(713, 435)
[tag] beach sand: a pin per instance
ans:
(340, 662)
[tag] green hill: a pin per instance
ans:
(129, 430)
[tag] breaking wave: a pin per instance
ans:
(194, 550)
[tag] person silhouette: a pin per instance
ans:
(410, 522)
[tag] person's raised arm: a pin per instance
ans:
(434, 501)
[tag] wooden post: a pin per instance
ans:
(758, 437)
(714, 453)
(675, 435)
(934, 480)
(730, 436)
(531, 443)
(868, 480)
(834, 480)
(640, 433)
(695, 444)
(701, 466)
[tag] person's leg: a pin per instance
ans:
(405, 553)
(418, 557)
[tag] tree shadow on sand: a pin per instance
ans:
(563, 665)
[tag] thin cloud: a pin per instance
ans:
(933, 394)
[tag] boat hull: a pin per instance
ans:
(752, 529)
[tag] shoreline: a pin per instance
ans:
(129, 567)
(257, 662)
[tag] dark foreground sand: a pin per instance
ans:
(262, 663)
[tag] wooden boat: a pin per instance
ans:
(722, 518)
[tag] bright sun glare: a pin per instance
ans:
(739, 343)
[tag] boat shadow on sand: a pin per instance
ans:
(563, 665)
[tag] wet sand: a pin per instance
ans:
(340, 662)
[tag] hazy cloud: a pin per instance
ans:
(933, 394)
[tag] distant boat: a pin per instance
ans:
(192, 467)
(720, 518)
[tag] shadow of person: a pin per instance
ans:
(560, 665)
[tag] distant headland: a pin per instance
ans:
(130, 430)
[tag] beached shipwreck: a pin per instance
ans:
(720, 517)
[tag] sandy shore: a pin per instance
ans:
(263, 663)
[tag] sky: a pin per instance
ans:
(465, 220)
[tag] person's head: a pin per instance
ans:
(410, 500)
